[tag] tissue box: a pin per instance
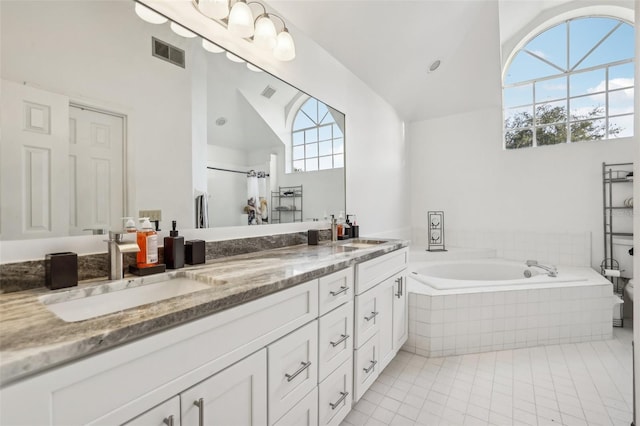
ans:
(60, 270)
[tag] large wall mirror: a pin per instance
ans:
(105, 115)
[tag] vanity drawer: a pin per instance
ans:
(165, 413)
(335, 395)
(373, 271)
(335, 289)
(367, 316)
(304, 413)
(366, 369)
(335, 339)
(292, 369)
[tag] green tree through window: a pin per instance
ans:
(573, 82)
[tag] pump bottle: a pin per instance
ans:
(174, 249)
(148, 242)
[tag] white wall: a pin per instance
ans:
(459, 166)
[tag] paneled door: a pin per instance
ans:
(95, 170)
(34, 199)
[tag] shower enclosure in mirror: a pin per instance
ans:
(104, 115)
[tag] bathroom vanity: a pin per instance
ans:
(284, 336)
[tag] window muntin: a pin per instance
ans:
(317, 140)
(573, 82)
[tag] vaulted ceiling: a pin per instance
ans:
(390, 45)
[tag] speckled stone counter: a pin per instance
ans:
(33, 339)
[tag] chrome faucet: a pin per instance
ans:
(117, 247)
(552, 271)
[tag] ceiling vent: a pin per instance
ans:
(167, 52)
(268, 92)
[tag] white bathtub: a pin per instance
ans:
(482, 273)
(477, 305)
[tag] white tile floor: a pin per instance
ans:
(571, 384)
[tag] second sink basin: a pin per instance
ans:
(358, 243)
(81, 304)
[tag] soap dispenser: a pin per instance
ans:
(174, 249)
(147, 240)
(129, 225)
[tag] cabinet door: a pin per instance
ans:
(304, 413)
(293, 369)
(366, 369)
(235, 396)
(165, 414)
(335, 339)
(386, 294)
(400, 312)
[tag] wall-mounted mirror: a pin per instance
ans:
(105, 115)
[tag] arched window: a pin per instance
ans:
(317, 140)
(573, 82)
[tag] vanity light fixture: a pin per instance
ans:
(211, 47)
(234, 58)
(238, 17)
(181, 31)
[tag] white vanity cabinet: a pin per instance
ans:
(300, 356)
(380, 316)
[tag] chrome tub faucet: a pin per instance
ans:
(552, 271)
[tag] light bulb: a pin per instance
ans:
(285, 49)
(210, 47)
(241, 20)
(253, 67)
(234, 58)
(265, 33)
(216, 9)
(149, 15)
(181, 31)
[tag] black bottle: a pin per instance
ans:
(174, 249)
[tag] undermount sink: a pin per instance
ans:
(363, 243)
(81, 304)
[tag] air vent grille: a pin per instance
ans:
(167, 52)
(268, 92)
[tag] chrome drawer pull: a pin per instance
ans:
(200, 404)
(343, 395)
(373, 315)
(343, 337)
(342, 290)
(305, 365)
(373, 364)
(168, 420)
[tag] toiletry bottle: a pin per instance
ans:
(174, 249)
(349, 227)
(341, 226)
(334, 228)
(129, 225)
(148, 243)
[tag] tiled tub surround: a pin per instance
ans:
(461, 321)
(26, 275)
(33, 339)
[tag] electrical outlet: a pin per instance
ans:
(153, 215)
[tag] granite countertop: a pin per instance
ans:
(33, 339)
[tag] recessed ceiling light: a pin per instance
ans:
(434, 66)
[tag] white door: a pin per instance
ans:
(34, 199)
(235, 396)
(96, 143)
